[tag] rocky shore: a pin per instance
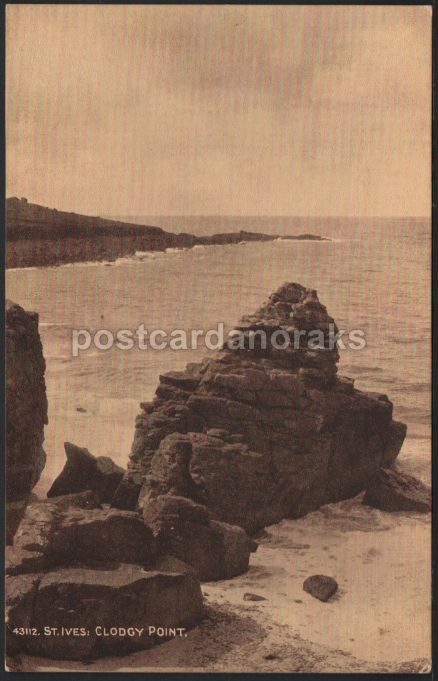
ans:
(250, 436)
(39, 237)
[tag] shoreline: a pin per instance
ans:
(140, 256)
(38, 236)
(35, 253)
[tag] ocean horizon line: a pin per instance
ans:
(248, 215)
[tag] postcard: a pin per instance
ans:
(218, 338)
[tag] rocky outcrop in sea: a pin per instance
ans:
(259, 434)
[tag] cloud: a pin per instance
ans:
(219, 109)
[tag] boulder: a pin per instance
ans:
(392, 490)
(253, 597)
(320, 587)
(81, 604)
(83, 471)
(102, 536)
(52, 535)
(184, 529)
(26, 411)
(164, 512)
(258, 432)
(85, 500)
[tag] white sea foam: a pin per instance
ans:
(53, 325)
(22, 269)
(323, 240)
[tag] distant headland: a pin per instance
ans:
(40, 236)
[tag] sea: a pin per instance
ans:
(373, 274)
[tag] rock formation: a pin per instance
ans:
(84, 607)
(90, 570)
(393, 490)
(73, 566)
(185, 530)
(83, 471)
(63, 537)
(84, 568)
(257, 434)
(26, 411)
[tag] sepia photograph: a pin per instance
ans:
(218, 338)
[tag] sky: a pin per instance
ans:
(226, 109)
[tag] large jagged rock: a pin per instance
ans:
(184, 529)
(83, 471)
(81, 604)
(258, 433)
(82, 569)
(393, 490)
(50, 535)
(26, 411)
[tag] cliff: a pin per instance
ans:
(26, 411)
(257, 435)
(40, 236)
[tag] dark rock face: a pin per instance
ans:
(26, 411)
(259, 433)
(392, 490)
(184, 529)
(320, 587)
(103, 536)
(83, 471)
(121, 597)
(90, 568)
(56, 536)
(87, 499)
